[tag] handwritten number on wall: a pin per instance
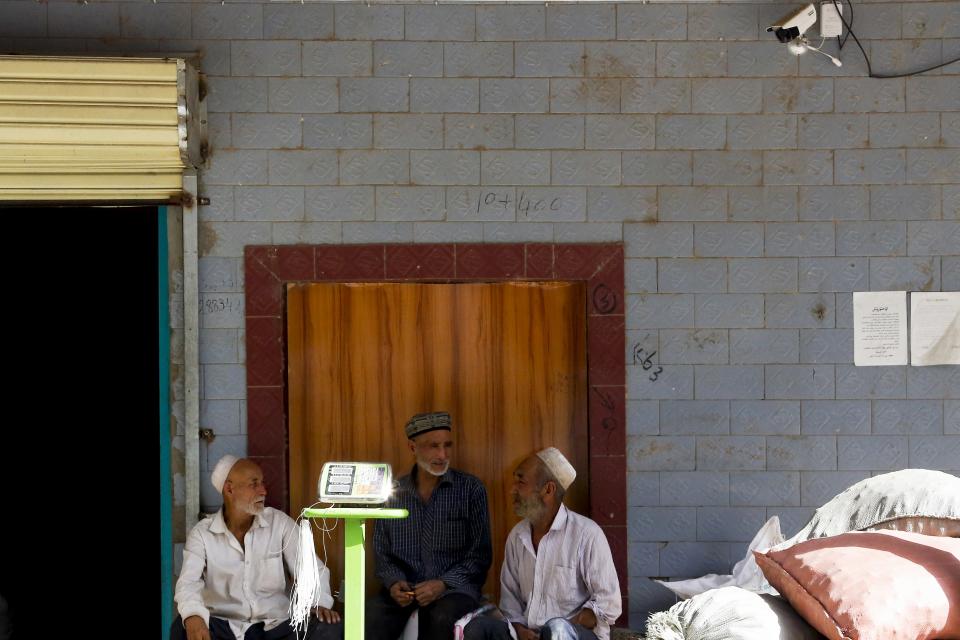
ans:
(646, 361)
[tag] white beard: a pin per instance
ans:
(426, 467)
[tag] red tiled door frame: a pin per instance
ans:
(269, 268)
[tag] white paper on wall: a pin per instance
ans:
(934, 328)
(879, 328)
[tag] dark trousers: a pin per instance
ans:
(488, 628)
(220, 630)
(385, 619)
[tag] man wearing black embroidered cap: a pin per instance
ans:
(436, 560)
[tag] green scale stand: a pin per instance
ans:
(354, 558)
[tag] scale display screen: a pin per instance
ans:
(355, 482)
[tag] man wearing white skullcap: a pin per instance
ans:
(558, 581)
(232, 585)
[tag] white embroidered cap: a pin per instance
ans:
(221, 471)
(562, 470)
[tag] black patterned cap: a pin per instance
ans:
(425, 422)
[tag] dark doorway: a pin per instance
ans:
(79, 445)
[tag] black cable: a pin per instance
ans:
(870, 72)
(847, 34)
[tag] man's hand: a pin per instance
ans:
(196, 628)
(525, 633)
(401, 593)
(427, 592)
(585, 618)
(326, 615)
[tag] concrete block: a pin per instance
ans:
(759, 59)
(763, 275)
(682, 275)
(764, 417)
(298, 21)
(627, 132)
(304, 167)
(932, 93)
(444, 167)
(932, 166)
(551, 204)
(374, 167)
(659, 310)
(518, 232)
(622, 204)
(588, 232)
(582, 22)
(672, 383)
(640, 276)
(691, 59)
(585, 168)
(905, 274)
(657, 168)
(833, 131)
(691, 132)
(266, 131)
(733, 524)
(835, 203)
(879, 166)
(236, 167)
(491, 204)
(584, 95)
(227, 239)
(871, 382)
(729, 310)
(307, 233)
(696, 204)
(338, 132)
(934, 382)
(374, 94)
(515, 167)
(762, 132)
(440, 22)
(443, 95)
(655, 95)
(872, 453)
(651, 22)
(825, 346)
(406, 59)
(765, 488)
(834, 274)
(236, 94)
(734, 382)
(166, 21)
(350, 59)
(800, 311)
(643, 419)
(733, 453)
(407, 131)
(857, 95)
(660, 453)
(620, 59)
(905, 202)
(278, 204)
(548, 59)
(799, 239)
(727, 239)
(714, 22)
(797, 453)
(728, 95)
(831, 417)
(661, 524)
(224, 382)
(798, 95)
(727, 168)
(468, 59)
(446, 232)
(935, 452)
(643, 488)
(506, 95)
(368, 22)
(762, 204)
(904, 130)
(549, 132)
(223, 22)
(377, 232)
(479, 132)
(265, 58)
(395, 204)
(933, 238)
(764, 346)
(694, 417)
(908, 417)
(694, 488)
(505, 23)
(819, 487)
(339, 203)
(799, 381)
(798, 167)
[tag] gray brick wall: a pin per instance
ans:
(754, 191)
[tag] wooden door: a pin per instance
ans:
(507, 360)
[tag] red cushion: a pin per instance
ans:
(884, 585)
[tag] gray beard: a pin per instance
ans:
(530, 510)
(426, 467)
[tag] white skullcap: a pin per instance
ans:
(221, 471)
(562, 470)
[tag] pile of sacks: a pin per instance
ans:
(879, 561)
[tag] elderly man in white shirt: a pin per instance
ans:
(233, 583)
(558, 580)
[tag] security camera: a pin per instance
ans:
(794, 24)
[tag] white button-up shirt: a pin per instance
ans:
(572, 569)
(243, 585)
